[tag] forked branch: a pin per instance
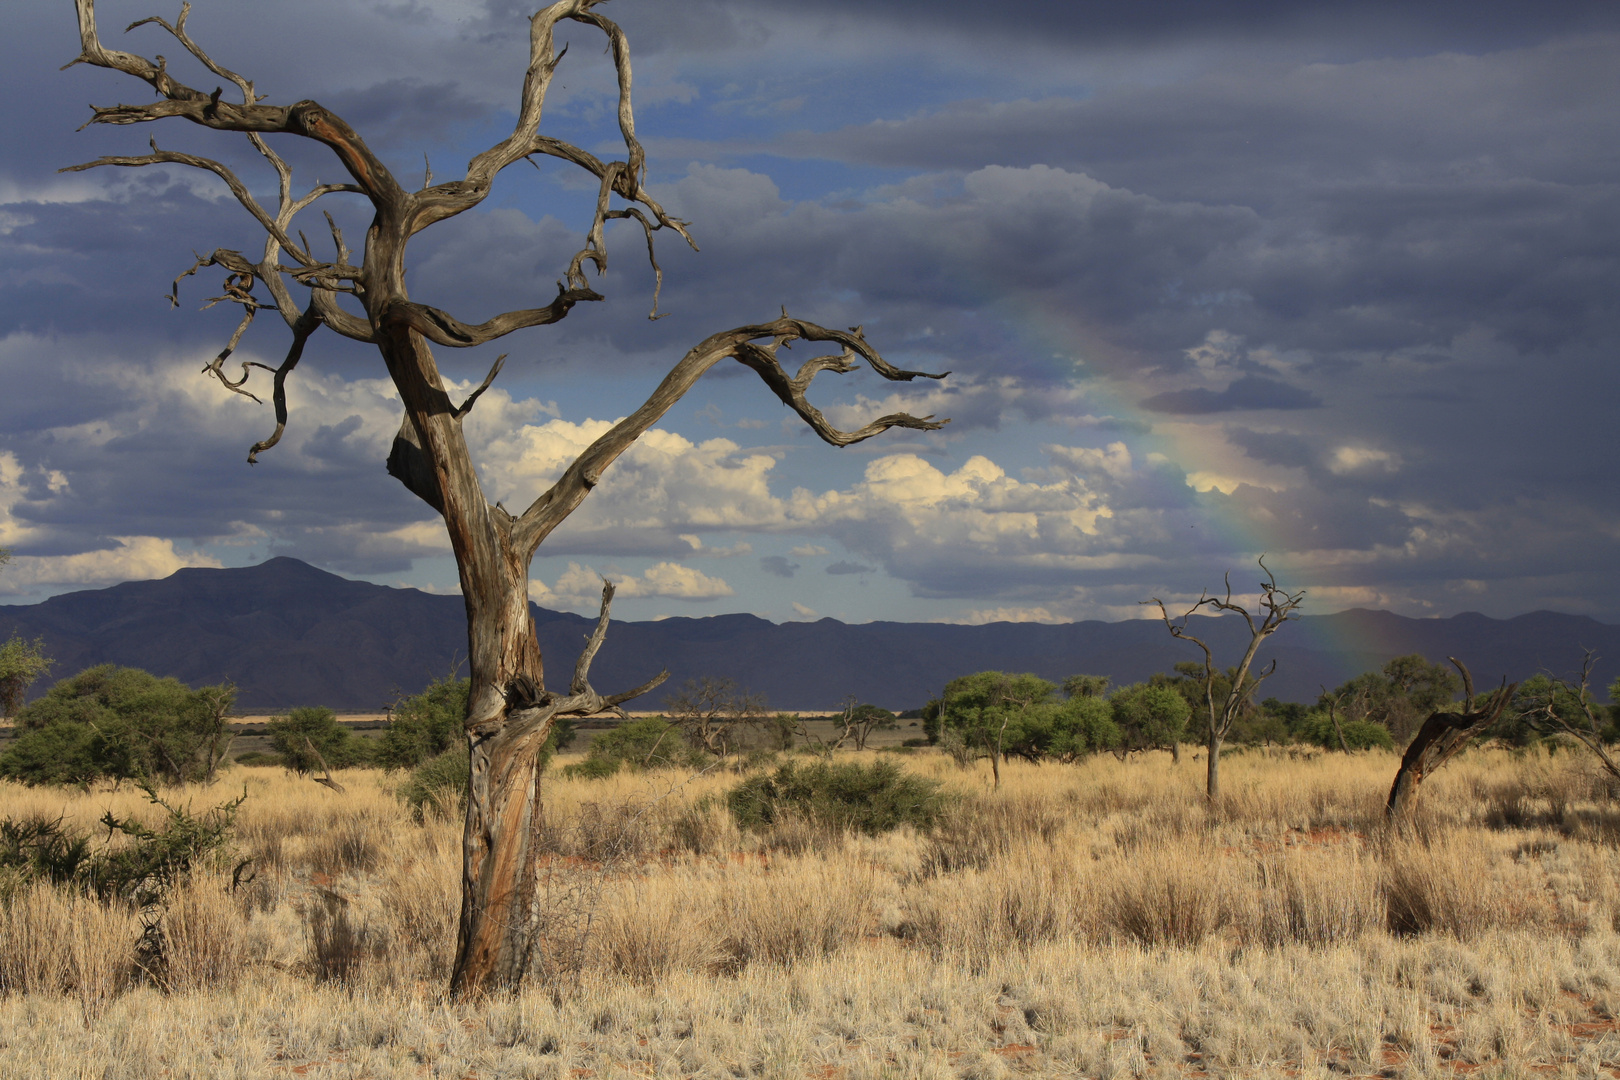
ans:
(533, 717)
(1277, 605)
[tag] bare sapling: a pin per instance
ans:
(1276, 606)
(1441, 738)
(1586, 727)
(511, 710)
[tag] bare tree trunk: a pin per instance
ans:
(1333, 715)
(496, 934)
(1175, 751)
(1277, 605)
(1441, 738)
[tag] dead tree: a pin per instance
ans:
(1441, 738)
(324, 781)
(1588, 729)
(510, 708)
(1277, 606)
(858, 721)
(713, 713)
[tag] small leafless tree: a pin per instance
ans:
(713, 713)
(858, 721)
(510, 708)
(218, 702)
(1441, 738)
(1587, 727)
(1276, 606)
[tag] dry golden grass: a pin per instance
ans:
(1095, 920)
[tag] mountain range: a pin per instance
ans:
(289, 634)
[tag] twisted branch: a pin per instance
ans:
(1442, 737)
(442, 328)
(239, 189)
(301, 331)
(577, 481)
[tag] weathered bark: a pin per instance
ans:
(1441, 738)
(1212, 773)
(510, 711)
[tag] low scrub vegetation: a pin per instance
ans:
(1087, 919)
(120, 723)
(842, 796)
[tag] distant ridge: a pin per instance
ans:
(289, 634)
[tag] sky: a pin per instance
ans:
(1330, 282)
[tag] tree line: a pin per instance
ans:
(1001, 715)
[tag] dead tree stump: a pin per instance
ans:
(1441, 738)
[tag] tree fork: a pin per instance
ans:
(510, 711)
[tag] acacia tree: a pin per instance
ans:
(714, 712)
(510, 708)
(1276, 606)
(21, 663)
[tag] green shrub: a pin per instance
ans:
(1149, 716)
(648, 743)
(1023, 716)
(21, 662)
(846, 795)
(40, 848)
(307, 736)
(143, 871)
(1317, 729)
(120, 723)
(146, 869)
(439, 784)
(593, 768)
(424, 726)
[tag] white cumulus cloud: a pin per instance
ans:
(582, 585)
(136, 558)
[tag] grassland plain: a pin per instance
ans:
(1092, 920)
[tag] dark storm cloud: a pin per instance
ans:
(111, 463)
(1312, 519)
(1249, 392)
(1397, 202)
(1276, 447)
(1431, 24)
(778, 566)
(1253, 132)
(1416, 244)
